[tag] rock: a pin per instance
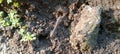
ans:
(85, 32)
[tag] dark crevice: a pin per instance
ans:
(42, 37)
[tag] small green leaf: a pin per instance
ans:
(24, 27)
(9, 1)
(21, 31)
(32, 35)
(16, 4)
(1, 13)
(27, 36)
(12, 13)
(1, 19)
(15, 21)
(1, 1)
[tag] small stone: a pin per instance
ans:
(42, 52)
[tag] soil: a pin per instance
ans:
(41, 16)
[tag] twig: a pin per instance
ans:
(56, 25)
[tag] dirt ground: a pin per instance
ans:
(41, 16)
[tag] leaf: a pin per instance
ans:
(1, 1)
(15, 21)
(21, 31)
(28, 37)
(24, 38)
(32, 35)
(1, 19)
(9, 1)
(25, 26)
(1, 13)
(12, 13)
(16, 4)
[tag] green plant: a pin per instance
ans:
(1, 1)
(1, 15)
(4, 21)
(8, 1)
(14, 3)
(11, 19)
(14, 18)
(26, 36)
